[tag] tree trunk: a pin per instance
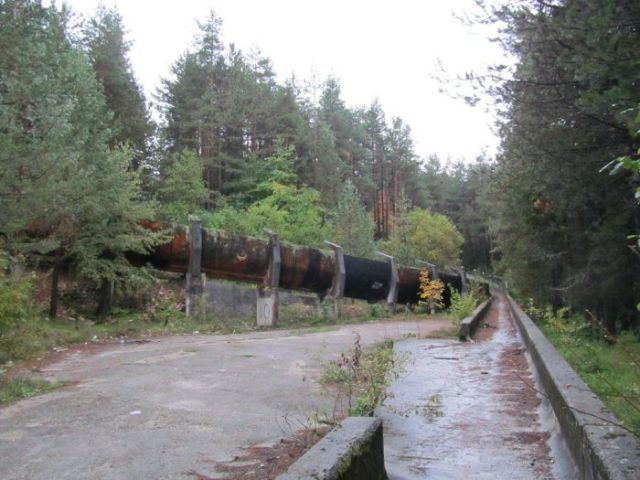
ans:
(106, 298)
(55, 279)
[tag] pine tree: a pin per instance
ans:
(563, 222)
(63, 193)
(108, 51)
(182, 190)
(353, 225)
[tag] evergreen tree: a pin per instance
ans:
(108, 51)
(182, 191)
(228, 108)
(353, 225)
(63, 193)
(563, 224)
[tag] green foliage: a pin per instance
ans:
(426, 236)
(631, 164)
(228, 107)
(292, 212)
(397, 244)
(377, 310)
(278, 168)
(479, 290)
(609, 367)
(463, 193)
(378, 370)
(363, 375)
(462, 306)
(21, 387)
(108, 51)
(433, 237)
(60, 183)
(277, 203)
(109, 226)
(19, 327)
(182, 190)
(352, 224)
(565, 109)
(15, 303)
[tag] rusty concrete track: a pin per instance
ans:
(470, 410)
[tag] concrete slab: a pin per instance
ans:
(353, 450)
(176, 405)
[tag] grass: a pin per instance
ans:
(612, 371)
(39, 335)
(22, 387)
(362, 376)
(34, 338)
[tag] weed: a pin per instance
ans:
(299, 313)
(22, 387)
(610, 370)
(433, 407)
(362, 376)
(461, 305)
(376, 310)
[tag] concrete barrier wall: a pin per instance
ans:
(230, 299)
(600, 449)
(468, 325)
(351, 451)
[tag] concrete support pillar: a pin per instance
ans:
(394, 282)
(268, 300)
(195, 278)
(337, 289)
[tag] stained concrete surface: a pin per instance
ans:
(175, 405)
(471, 410)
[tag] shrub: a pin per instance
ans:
(376, 310)
(461, 305)
(363, 375)
(430, 290)
(21, 333)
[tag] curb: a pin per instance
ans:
(351, 451)
(469, 325)
(600, 449)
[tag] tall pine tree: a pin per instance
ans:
(108, 51)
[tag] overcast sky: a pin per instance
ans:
(385, 49)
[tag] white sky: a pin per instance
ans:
(386, 49)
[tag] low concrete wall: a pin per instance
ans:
(468, 325)
(230, 299)
(600, 449)
(351, 451)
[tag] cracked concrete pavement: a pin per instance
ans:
(175, 405)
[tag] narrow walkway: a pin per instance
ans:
(469, 410)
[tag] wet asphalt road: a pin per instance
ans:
(468, 411)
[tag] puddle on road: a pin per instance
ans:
(463, 411)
